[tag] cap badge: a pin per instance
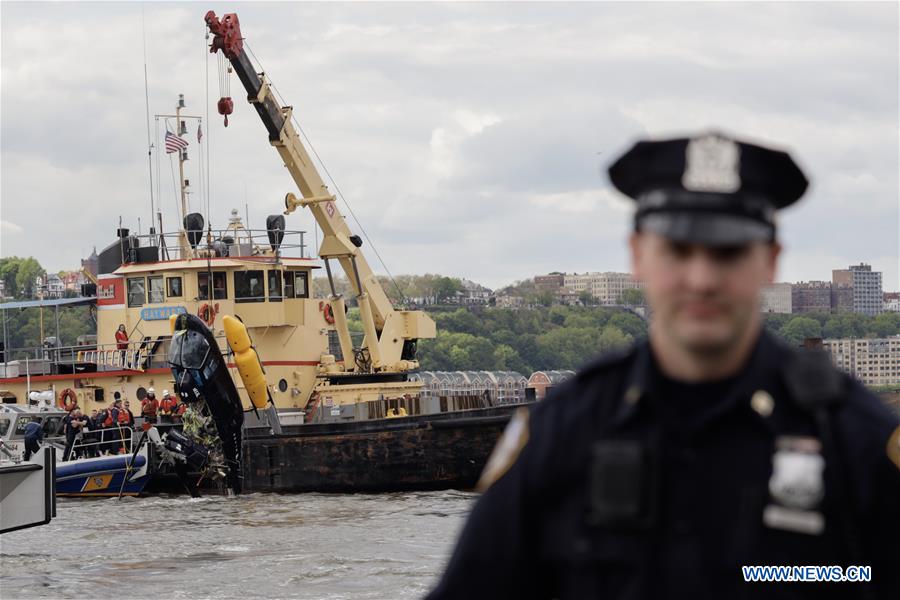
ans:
(712, 164)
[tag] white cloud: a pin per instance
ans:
(471, 139)
(10, 227)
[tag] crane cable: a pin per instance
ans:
(337, 188)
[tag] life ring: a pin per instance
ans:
(327, 312)
(208, 314)
(68, 400)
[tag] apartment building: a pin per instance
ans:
(872, 361)
(868, 296)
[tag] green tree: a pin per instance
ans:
(884, 325)
(507, 359)
(629, 324)
(799, 329)
(633, 297)
(586, 298)
(9, 268)
(446, 288)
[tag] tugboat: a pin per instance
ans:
(339, 414)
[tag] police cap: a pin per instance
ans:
(709, 189)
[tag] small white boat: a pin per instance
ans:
(27, 496)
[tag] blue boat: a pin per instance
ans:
(125, 474)
(103, 475)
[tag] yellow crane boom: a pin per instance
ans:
(391, 335)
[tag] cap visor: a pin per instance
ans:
(709, 229)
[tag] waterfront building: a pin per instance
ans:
(55, 286)
(776, 298)
(510, 301)
(874, 362)
(811, 297)
(606, 287)
(551, 282)
(866, 284)
(541, 382)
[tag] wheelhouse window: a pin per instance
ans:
(137, 295)
(275, 289)
(220, 287)
(248, 286)
(156, 290)
(296, 284)
(174, 287)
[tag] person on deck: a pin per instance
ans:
(149, 406)
(74, 425)
(122, 343)
(92, 435)
(126, 417)
(179, 412)
(168, 406)
(110, 421)
(34, 436)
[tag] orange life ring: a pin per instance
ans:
(327, 312)
(208, 314)
(67, 399)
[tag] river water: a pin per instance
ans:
(317, 546)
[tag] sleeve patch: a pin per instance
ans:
(893, 447)
(507, 450)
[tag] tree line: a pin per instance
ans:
(19, 276)
(793, 329)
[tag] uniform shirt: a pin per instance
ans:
(708, 460)
(33, 432)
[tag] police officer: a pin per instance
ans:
(662, 472)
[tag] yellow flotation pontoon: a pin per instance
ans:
(247, 361)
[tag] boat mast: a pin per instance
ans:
(182, 156)
(180, 131)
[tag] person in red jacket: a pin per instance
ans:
(179, 412)
(122, 342)
(124, 421)
(109, 420)
(149, 406)
(168, 406)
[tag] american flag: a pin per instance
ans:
(174, 143)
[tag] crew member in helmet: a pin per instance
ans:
(149, 406)
(168, 406)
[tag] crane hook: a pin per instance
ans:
(226, 107)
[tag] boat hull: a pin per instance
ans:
(103, 476)
(422, 452)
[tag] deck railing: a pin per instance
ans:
(148, 353)
(120, 439)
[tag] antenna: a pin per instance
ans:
(147, 109)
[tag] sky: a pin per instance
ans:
(469, 139)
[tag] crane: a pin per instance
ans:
(391, 336)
